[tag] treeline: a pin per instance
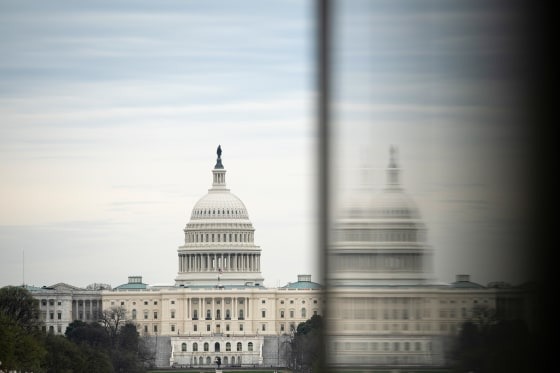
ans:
(110, 345)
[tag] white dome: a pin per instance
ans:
(388, 204)
(219, 204)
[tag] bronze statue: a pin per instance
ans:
(219, 151)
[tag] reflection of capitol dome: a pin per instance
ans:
(379, 238)
(219, 244)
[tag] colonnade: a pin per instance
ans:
(234, 308)
(213, 262)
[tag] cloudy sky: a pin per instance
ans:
(111, 112)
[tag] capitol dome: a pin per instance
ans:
(219, 248)
(219, 205)
(379, 238)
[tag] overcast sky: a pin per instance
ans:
(111, 112)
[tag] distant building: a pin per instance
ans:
(385, 308)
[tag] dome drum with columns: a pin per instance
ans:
(219, 247)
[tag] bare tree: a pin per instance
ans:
(112, 320)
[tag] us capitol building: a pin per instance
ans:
(384, 307)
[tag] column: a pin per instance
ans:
(247, 308)
(234, 308)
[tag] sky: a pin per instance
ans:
(111, 113)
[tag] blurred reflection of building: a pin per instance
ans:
(384, 307)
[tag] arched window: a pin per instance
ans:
(250, 346)
(227, 315)
(241, 314)
(195, 347)
(208, 360)
(228, 346)
(208, 315)
(133, 314)
(195, 314)
(206, 346)
(303, 312)
(218, 314)
(217, 347)
(184, 347)
(200, 361)
(239, 346)
(225, 360)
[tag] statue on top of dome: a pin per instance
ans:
(219, 164)
(393, 156)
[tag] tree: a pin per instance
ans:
(21, 348)
(306, 346)
(19, 305)
(112, 319)
(489, 345)
(92, 334)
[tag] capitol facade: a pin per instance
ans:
(384, 306)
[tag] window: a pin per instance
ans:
(263, 313)
(239, 346)
(291, 302)
(146, 303)
(172, 314)
(281, 327)
(194, 347)
(315, 301)
(227, 327)
(172, 328)
(59, 328)
(155, 302)
(51, 315)
(195, 328)
(59, 303)
(134, 314)
(155, 328)
(281, 314)
(303, 312)
(51, 302)
(44, 302)
(145, 328)
(292, 314)
(59, 316)
(122, 303)
(240, 315)
(208, 315)
(145, 315)
(263, 301)
(184, 347)
(240, 327)
(195, 315)
(155, 315)
(281, 302)
(172, 302)
(263, 327)
(228, 346)
(250, 346)
(207, 327)
(206, 346)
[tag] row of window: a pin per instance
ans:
(219, 237)
(380, 235)
(206, 212)
(382, 346)
(217, 347)
(372, 262)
